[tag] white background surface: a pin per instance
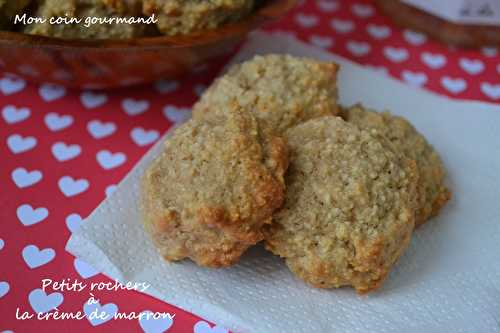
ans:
(447, 281)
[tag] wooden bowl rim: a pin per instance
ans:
(270, 10)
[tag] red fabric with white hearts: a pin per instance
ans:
(62, 151)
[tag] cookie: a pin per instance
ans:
(280, 90)
(349, 208)
(180, 17)
(208, 194)
(432, 193)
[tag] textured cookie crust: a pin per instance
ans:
(432, 194)
(348, 213)
(186, 16)
(280, 90)
(208, 194)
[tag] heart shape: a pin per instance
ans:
(453, 85)
(63, 152)
(321, 41)
(57, 122)
(100, 129)
(342, 26)
(71, 187)
(204, 327)
(416, 79)
(108, 160)
(166, 86)
(414, 38)
(143, 137)
(176, 115)
(29, 216)
(110, 189)
(378, 31)
(109, 311)
(34, 257)
(51, 92)
(361, 10)
(4, 288)
(84, 269)
(306, 21)
(11, 85)
(134, 107)
(2, 243)
(328, 6)
(92, 100)
(17, 144)
(42, 303)
(149, 324)
(24, 178)
(73, 222)
(358, 48)
(13, 115)
(471, 66)
(432, 60)
(396, 54)
(491, 90)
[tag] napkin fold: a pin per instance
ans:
(447, 281)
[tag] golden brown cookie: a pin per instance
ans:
(280, 90)
(432, 194)
(180, 17)
(207, 196)
(349, 209)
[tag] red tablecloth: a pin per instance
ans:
(63, 151)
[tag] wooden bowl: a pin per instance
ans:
(103, 64)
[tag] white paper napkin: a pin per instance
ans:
(447, 281)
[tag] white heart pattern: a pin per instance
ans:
(64, 152)
(100, 129)
(166, 86)
(328, 6)
(489, 51)
(453, 85)
(362, 10)
(73, 222)
(396, 54)
(471, 66)
(491, 90)
(342, 26)
(4, 288)
(143, 137)
(17, 144)
(134, 107)
(84, 269)
(321, 41)
(29, 216)
(306, 21)
(42, 303)
(51, 92)
(204, 327)
(433, 61)
(57, 122)
(414, 38)
(176, 115)
(71, 187)
(34, 257)
(2, 244)
(108, 160)
(11, 85)
(149, 324)
(24, 178)
(378, 31)
(93, 100)
(109, 311)
(110, 190)
(358, 48)
(13, 115)
(416, 79)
